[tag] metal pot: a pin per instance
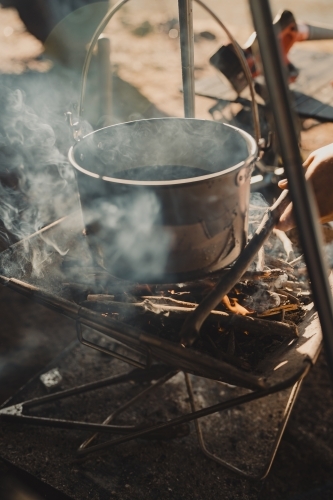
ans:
(165, 200)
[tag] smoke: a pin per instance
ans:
(127, 228)
(37, 184)
(130, 240)
(258, 205)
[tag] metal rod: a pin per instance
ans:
(185, 8)
(136, 375)
(305, 209)
(105, 79)
(105, 350)
(80, 389)
(66, 424)
(245, 67)
(128, 404)
(224, 463)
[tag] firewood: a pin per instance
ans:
(238, 322)
(282, 264)
(192, 325)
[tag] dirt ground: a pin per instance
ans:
(145, 56)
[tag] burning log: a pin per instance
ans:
(275, 310)
(257, 296)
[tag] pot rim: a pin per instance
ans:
(252, 155)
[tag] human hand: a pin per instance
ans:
(319, 172)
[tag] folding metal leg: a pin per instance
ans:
(277, 441)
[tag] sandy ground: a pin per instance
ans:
(152, 62)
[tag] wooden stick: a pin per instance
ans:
(286, 242)
(170, 301)
(273, 261)
(297, 285)
(292, 299)
(262, 275)
(275, 310)
(296, 261)
(154, 299)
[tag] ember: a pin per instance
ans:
(233, 306)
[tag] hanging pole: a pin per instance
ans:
(305, 208)
(185, 8)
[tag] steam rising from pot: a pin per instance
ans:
(132, 228)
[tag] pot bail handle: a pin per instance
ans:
(113, 10)
(99, 30)
(245, 67)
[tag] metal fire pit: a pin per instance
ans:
(286, 368)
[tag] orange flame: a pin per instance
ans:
(233, 306)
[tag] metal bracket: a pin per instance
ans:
(104, 350)
(74, 126)
(12, 410)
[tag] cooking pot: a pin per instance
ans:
(166, 199)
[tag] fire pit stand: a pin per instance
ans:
(263, 420)
(285, 369)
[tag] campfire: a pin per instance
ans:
(260, 313)
(258, 338)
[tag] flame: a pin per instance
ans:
(233, 306)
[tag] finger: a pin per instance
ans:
(326, 218)
(283, 184)
(286, 221)
(309, 160)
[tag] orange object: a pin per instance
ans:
(233, 306)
